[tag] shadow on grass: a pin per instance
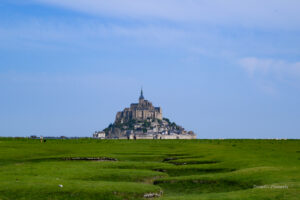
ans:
(190, 162)
(193, 171)
(203, 185)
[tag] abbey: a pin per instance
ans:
(143, 121)
(139, 111)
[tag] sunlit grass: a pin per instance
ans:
(196, 169)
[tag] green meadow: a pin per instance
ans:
(149, 169)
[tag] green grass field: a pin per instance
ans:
(174, 169)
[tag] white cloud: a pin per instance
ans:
(38, 33)
(255, 66)
(253, 13)
(269, 75)
(97, 80)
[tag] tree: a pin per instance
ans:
(167, 120)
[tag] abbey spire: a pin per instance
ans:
(141, 96)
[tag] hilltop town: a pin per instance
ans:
(143, 121)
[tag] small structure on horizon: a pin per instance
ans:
(99, 134)
(143, 121)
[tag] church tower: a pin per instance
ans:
(141, 99)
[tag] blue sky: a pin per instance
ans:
(224, 69)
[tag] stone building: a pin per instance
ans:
(99, 135)
(139, 111)
(143, 121)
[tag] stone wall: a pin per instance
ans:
(141, 111)
(158, 137)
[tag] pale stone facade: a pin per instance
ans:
(99, 135)
(139, 111)
(176, 136)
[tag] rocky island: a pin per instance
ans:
(143, 121)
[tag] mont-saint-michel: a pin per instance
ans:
(143, 121)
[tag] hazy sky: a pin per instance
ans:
(224, 69)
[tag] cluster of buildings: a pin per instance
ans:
(143, 121)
